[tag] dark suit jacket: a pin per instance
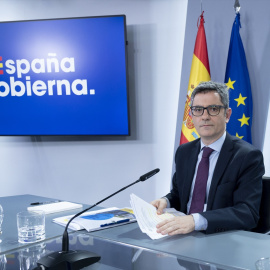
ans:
(236, 188)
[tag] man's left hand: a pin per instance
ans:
(176, 225)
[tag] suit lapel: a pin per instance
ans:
(191, 163)
(222, 162)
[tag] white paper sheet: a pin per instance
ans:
(50, 208)
(147, 217)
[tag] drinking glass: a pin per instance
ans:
(263, 264)
(31, 226)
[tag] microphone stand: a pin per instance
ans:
(75, 260)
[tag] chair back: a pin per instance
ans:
(264, 221)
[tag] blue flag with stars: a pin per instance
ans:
(237, 80)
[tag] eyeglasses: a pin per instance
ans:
(212, 110)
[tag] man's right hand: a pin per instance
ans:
(160, 204)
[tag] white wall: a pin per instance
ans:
(53, 166)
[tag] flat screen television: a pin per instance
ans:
(64, 77)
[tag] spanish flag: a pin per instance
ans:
(200, 71)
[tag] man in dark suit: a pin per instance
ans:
(234, 177)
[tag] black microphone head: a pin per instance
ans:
(149, 174)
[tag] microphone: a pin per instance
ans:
(77, 259)
(149, 174)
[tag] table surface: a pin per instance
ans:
(227, 250)
(114, 256)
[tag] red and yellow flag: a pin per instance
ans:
(200, 71)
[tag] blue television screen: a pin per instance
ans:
(64, 77)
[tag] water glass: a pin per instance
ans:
(31, 226)
(1, 220)
(263, 264)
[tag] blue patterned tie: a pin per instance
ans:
(199, 191)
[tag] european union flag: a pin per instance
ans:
(237, 80)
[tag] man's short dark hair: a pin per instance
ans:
(210, 86)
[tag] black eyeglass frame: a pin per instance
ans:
(207, 108)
